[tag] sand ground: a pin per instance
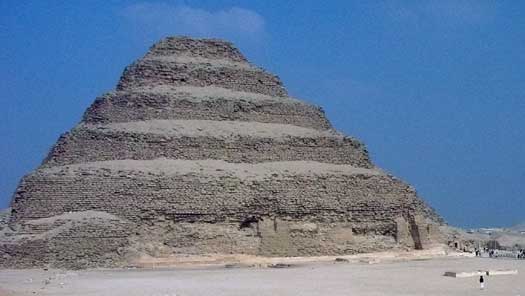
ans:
(414, 277)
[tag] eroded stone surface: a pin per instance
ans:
(200, 152)
(204, 103)
(232, 141)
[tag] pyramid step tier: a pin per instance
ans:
(199, 62)
(214, 191)
(176, 72)
(210, 103)
(232, 141)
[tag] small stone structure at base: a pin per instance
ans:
(197, 151)
(465, 274)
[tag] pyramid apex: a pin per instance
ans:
(206, 48)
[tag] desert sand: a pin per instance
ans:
(358, 276)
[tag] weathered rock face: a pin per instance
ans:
(198, 152)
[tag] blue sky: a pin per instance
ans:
(436, 89)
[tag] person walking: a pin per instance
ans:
(481, 282)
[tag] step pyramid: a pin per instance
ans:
(197, 151)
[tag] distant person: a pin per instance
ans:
(481, 282)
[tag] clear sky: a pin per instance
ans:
(436, 89)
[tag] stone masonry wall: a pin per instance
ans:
(86, 145)
(133, 106)
(153, 72)
(66, 244)
(138, 196)
(299, 215)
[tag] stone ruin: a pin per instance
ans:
(199, 152)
